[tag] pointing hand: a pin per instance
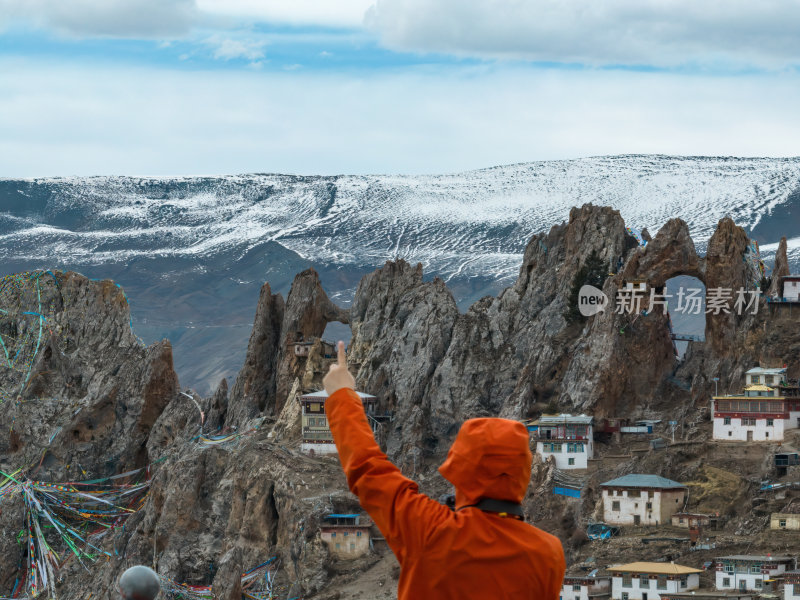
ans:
(339, 377)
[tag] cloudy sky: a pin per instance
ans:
(169, 87)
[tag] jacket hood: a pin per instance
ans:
(490, 458)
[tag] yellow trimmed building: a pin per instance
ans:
(649, 580)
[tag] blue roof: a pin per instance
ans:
(341, 516)
(643, 481)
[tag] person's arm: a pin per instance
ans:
(403, 515)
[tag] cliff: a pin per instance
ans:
(228, 487)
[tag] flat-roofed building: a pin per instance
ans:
(765, 376)
(790, 522)
(710, 595)
(775, 377)
(316, 435)
(690, 520)
(347, 535)
(791, 585)
(586, 587)
(651, 581)
(759, 414)
(791, 288)
(747, 572)
(567, 438)
(639, 499)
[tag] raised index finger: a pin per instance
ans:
(342, 357)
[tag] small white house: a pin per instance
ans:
(791, 288)
(746, 572)
(759, 415)
(567, 438)
(585, 587)
(316, 435)
(648, 580)
(791, 586)
(765, 376)
(638, 499)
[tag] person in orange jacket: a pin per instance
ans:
(482, 549)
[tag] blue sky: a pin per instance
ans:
(158, 87)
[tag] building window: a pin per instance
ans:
(615, 505)
(728, 568)
(346, 534)
(770, 422)
(338, 545)
(358, 534)
(333, 534)
(782, 523)
(649, 506)
(768, 379)
(756, 569)
(726, 421)
(571, 462)
(684, 581)
(662, 582)
(576, 588)
(624, 596)
(755, 379)
(758, 584)
(726, 582)
(627, 581)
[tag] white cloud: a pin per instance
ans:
(105, 18)
(598, 32)
(344, 13)
(59, 119)
(230, 48)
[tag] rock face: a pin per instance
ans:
(781, 270)
(231, 491)
(254, 390)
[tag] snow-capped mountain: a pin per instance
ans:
(192, 252)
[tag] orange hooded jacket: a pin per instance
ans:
(444, 554)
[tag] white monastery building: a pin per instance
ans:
(648, 580)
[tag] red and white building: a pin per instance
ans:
(316, 435)
(747, 572)
(791, 585)
(651, 581)
(585, 587)
(567, 438)
(789, 389)
(757, 415)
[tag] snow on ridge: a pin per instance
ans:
(444, 221)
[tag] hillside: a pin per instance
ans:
(227, 487)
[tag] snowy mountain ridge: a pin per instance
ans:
(194, 250)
